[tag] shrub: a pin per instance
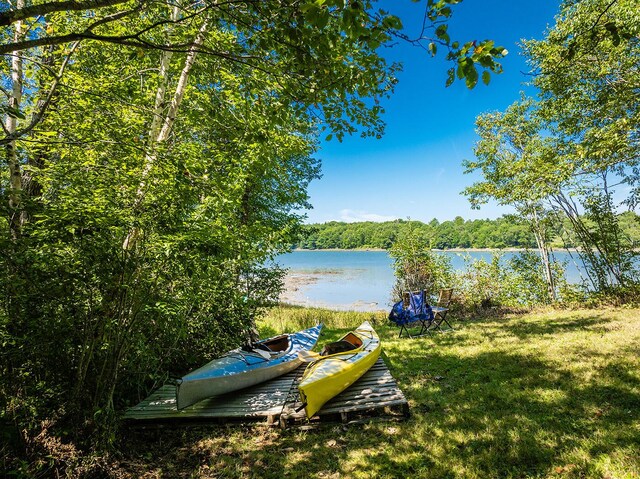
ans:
(416, 267)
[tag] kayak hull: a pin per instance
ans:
(239, 369)
(330, 375)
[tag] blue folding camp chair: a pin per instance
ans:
(413, 310)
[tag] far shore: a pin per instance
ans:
(451, 250)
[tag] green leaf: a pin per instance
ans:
(615, 38)
(571, 51)
(471, 76)
(611, 27)
(451, 76)
(433, 48)
(486, 61)
(486, 77)
(441, 33)
(322, 19)
(392, 22)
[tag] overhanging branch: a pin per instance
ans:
(12, 16)
(134, 39)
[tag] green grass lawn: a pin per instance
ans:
(548, 394)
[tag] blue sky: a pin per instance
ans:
(415, 171)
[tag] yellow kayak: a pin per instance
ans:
(337, 367)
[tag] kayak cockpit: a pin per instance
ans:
(274, 345)
(271, 347)
(245, 366)
(346, 344)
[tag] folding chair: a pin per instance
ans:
(412, 309)
(441, 309)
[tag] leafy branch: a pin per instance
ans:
(42, 108)
(16, 15)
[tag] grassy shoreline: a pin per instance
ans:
(553, 394)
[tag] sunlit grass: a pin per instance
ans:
(287, 318)
(553, 394)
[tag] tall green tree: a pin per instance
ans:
(588, 78)
(514, 157)
(576, 147)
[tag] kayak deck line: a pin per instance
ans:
(274, 402)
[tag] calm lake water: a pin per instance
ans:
(359, 280)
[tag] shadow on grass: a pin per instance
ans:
(568, 324)
(476, 412)
(507, 414)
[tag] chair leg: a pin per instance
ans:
(425, 329)
(430, 326)
(438, 323)
(447, 322)
(405, 329)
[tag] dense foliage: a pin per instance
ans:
(416, 267)
(572, 153)
(505, 232)
(518, 282)
(155, 156)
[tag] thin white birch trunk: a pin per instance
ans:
(544, 256)
(15, 172)
(165, 61)
(169, 119)
(167, 124)
(182, 84)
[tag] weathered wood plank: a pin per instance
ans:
(262, 401)
(365, 395)
(364, 405)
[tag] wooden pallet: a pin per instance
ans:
(375, 392)
(260, 402)
(276, 401)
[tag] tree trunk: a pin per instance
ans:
(15, 172)
(170, 117)
(165, 62)
(597, 256)
(543, 249)
(159, 132)
(167, 123)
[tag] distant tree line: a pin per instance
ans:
(505, 232)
